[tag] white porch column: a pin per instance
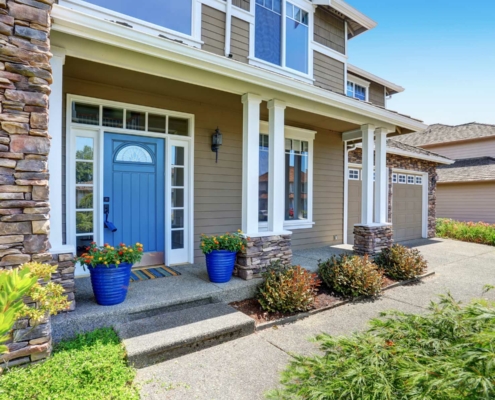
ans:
(250, 163)
(55, 157)
(276, 177)
(381, 181)
(367, 174)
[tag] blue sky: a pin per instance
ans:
(441, 51)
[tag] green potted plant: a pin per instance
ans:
(110, 270)
(220, 253)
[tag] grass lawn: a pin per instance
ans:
(447, 354)
(92, 366)
(475, 232)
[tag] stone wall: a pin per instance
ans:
(25, 76)
(260, 252)
(372, 240)
(411, 164)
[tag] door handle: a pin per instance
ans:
(108, 224)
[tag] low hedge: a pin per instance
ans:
(288, 289)
(351, 276)
(474, 232)
(401, 263)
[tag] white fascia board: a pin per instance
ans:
(89, 27)
(398, 152)
(350, 12)
(389, 85)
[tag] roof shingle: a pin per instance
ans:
(438, 133)
(393, 143)
(468, 170)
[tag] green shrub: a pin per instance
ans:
(475, 232)
(92, 366)
(351, 276)
(401, 263)
(445, 354)
(288, 289)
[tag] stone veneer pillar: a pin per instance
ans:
(25, 78)
(371, 240)
(260, 252)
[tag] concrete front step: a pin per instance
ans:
(173, 334)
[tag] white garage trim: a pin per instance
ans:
(425, 181)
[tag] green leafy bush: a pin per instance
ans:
(475, 232)
(351, 276)
(30, 280)
(401, 263)
(288, 289)
(92, 366)
(445, 354)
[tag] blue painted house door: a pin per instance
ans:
(133, 193)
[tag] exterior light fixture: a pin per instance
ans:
(216, 142)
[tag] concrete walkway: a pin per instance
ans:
(246, 368)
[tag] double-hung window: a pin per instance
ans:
(174, 15)
(282, 34)
(298, 184)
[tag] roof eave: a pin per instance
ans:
(432, 158)
(389, 85)
(350, 12)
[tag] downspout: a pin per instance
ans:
(228, 28)
(347, 150)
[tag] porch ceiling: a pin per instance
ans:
(103, 74)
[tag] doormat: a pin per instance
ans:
(143, 274)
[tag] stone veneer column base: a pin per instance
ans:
(371, 240)
(65, 276)
(260, 252)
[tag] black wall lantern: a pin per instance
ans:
(216, 142)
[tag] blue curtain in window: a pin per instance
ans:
(175, 15)
(268, 35)
(296, 46)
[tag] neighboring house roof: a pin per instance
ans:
(468, 170)
(438, 133)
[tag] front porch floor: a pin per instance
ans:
(151, 297)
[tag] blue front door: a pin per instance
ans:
(133, 193)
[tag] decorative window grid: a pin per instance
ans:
(354, 174)
(410, 180)
(394, 178)
(419, 180)
(402, 178)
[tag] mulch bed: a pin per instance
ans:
(325, 298)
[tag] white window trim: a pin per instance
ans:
(395, 178)
(354, 170)
(405, 179)
(97, 132)
(358, 81)
(412, 178)
(147, 27)
(308, 136)
(283, 69)
(416, 180)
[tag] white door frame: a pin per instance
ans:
(97, 133)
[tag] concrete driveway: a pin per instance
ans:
(246, 368)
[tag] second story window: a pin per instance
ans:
(356, 91)
(290, 50)
(174, 15)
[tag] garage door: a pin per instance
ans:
(407, 207)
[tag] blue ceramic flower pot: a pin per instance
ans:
(220, 265)
(110, 283)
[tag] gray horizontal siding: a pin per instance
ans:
(377, 94)
(328, 73)
(244, 4)
(329, 30)
(213, 30)
(239, 43)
